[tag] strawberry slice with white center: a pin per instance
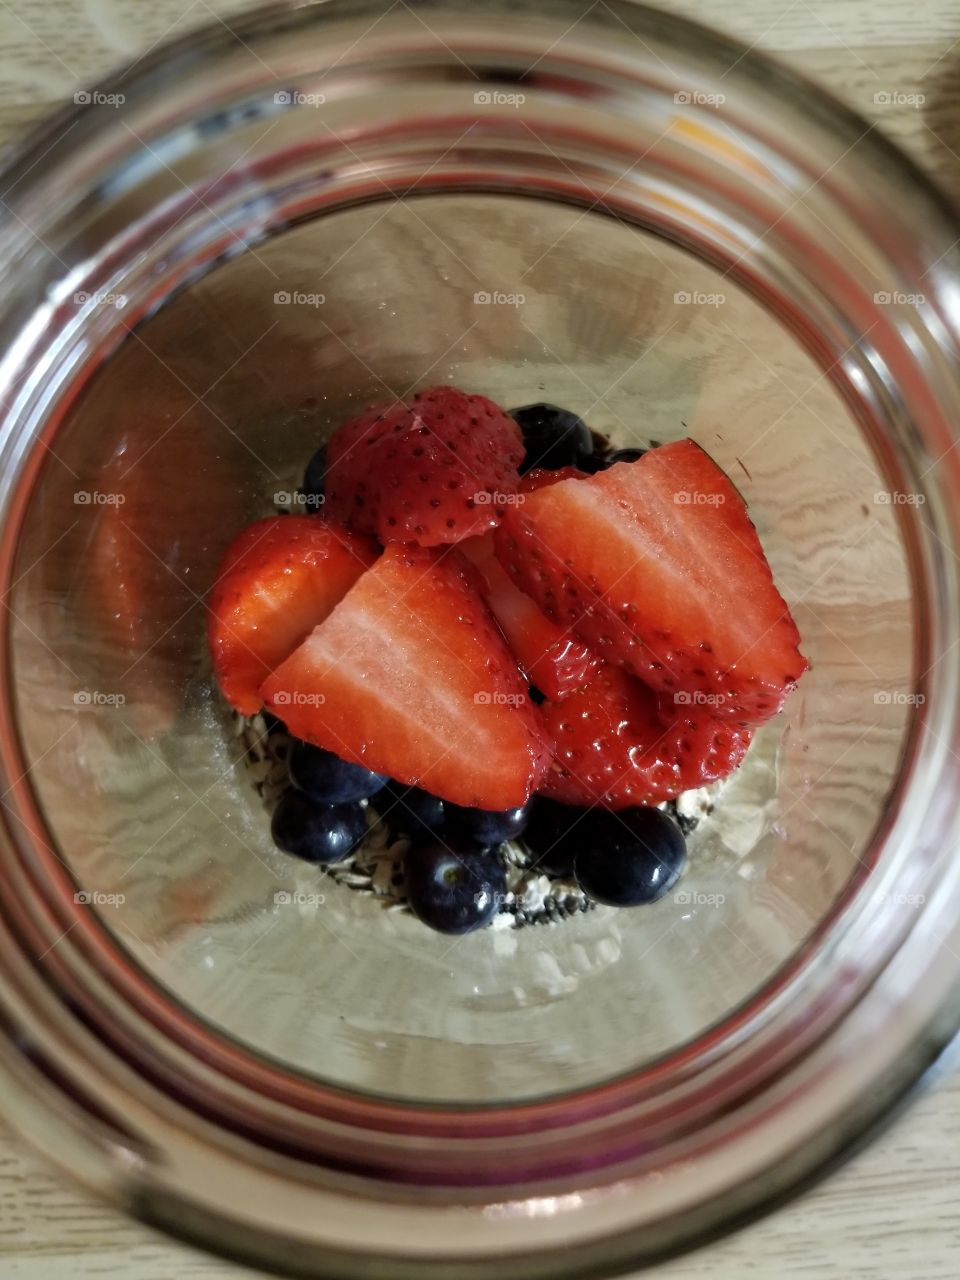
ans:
(656, 566)
(552, 657)
(409, 676)
(278, 579)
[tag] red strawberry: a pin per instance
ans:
(551, 657)
(410, 677)
(433, 471)
(278, 579)
(613, 748)
(351, 479)
(656, 565)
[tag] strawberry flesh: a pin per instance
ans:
(656, 566)
(618, 745)
(551, 657)
(409, 676)
(278, 579)
(432, 471)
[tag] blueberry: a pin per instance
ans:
(315, 479)
(596, 462)
(329, 780)
(317, 832)
(600, 461)
(553, 834)
(631, 857)
(453, 890)
(410, 810)
(487, 827)
(553, 437)
(624, 455)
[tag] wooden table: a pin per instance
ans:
(893, 1212)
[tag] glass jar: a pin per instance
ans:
(210, 263)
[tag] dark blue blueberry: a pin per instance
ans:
(317, 832)
(600, 461)
(487, 827)
(452, 889)
(553, 437)
(624, 455)
(596, 462)
(553, 835)
(629, 858)
(329, 780)
(410, 810)
(315, 480)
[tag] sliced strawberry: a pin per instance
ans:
(278, 579)
(409, 676)
(433, 471)
(551, 658)
(614, 749)
(657, 567)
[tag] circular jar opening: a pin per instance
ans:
(630, 217)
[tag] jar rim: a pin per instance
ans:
(922, 1038)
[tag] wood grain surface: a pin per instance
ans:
(893, 1211)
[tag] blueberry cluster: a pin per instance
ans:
(455, 870)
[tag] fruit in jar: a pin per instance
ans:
(410, 677)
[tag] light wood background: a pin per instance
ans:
(894, 1211)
